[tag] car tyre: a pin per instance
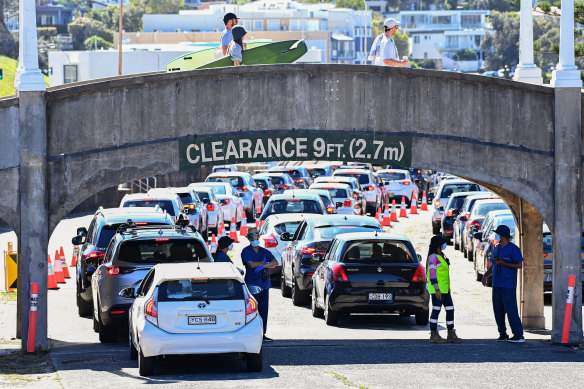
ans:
(435, 230)
(331, 317)
(83, 307)
(316, 311)
(298, 296)
(145, 365)
(423, 317)
(285, 289)
(255, 362)
(133, 350)
(464, 252)
(469, 255)
(107, 334)
(456, 245)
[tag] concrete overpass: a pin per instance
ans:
(522, 141)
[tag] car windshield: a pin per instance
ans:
(449, 189)
(378, 252)
(279, 180)
(481, 210)
(393, 176)
(186, 198)
(362, 177)
(293, 205)
(161, 250)
(456, 202)
(150, 203)
(330, 231)
(236, 182)
(196, 290)
(292, 172)
(317, 172)
(290, 227)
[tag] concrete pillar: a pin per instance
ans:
(34, 212)
(566, 74)
(531, 275)
(28, 75)
(567, 228)
(526, 70)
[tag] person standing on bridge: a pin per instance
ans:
(236, 47)
(230, 20)
(385, 49)
(438, 276)
(506, 260)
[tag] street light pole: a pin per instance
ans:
(120, 37)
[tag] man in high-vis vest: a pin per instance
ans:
(439, 287)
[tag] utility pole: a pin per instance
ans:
(120, 37)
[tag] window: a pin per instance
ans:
(151, 203)
(295, 24)
(425, 55)
(312, 25)
(274, 25)
(197, 290)
(441, 20)
(377, 251)
(258, 25)
(247, 24)
(161, 250)
(69, 74)
(452, 41)
(417, 39)
(467, 20)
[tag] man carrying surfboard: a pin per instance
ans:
(230, 20)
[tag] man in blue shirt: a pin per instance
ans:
(257, 260)
(506, 260)
(230, 20)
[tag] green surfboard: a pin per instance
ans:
(195, 59)
(272, 53)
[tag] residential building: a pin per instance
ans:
(53, 15)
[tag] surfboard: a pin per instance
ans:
(272, 53)
(195, 59)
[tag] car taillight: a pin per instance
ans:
(466, 214)
(225, 202)
(339, 274)
(437, 203)
(190, 206)
(116, 270)
(283, 187)
(251, 308)
(420, 274)
(96, 255)
(330, 209)
(474, 223)
(151, 308)
(406, 182)
(449, 213)
(355, 195)
(545, 255)
(211, 207)
(308, 250)
(348, 203)
(267, 193)
(271, 241)
(368, 188)
(242, 188)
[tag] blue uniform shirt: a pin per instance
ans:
(222, 257)
(252, 278)
(226, 37)
(503, 276)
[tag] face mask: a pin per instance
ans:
(444, 246)
(231, 246)
(498, 237)
(254, 243)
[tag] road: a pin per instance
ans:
(374, 351)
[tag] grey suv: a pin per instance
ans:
(129, 256)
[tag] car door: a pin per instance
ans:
(291, 252)
(322, 271)
(137, 309)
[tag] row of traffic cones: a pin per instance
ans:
(386, 217)
(232, 231)
(60, 272)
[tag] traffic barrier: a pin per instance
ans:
(414, 205)
(233, 229)
(64, 263)
(386, 222)
(32, 318)
(51, 280)
(393, 216)
(243, 225)
(424, 206)
(57, 269)
(569, 304)
(213, 245)
(402, 208)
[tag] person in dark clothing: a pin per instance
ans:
(223, 246)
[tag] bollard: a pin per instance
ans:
(34, 296)
(568, 314)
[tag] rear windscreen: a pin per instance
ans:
(456, 202)
(293, 173)
(393, 176)
(329, 232)
(163, 204)
(235, 182)
(278, 180)
(378, 252)
(218, 189)
(316, 172)
(481, 210)
(290, 227)
(261, 183)
(449, 189)
(186, 198)
(203, 195)
(336, 192)
(292, 206)
(161, 250)
(200, 290)
(362, 177)
(325, 200)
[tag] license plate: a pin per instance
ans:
(381, 297)
(207, 319)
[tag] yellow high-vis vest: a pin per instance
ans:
(442, 275)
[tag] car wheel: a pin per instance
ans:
(285, 289)
(423, 317)
(83, 307)
(456, 245)
(107, 334)
(133, 350)
(145, 365)
(316, 311)
(464, 252)
(469, 255)
(330, 317)
(435, 230)
(298, 296)
(255, 362)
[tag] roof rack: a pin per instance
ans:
(129, 227)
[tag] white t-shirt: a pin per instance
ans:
(388, 51)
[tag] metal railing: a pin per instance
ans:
(138, 186)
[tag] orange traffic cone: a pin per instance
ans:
(378, 216)
(58, 269)
(233, 229)
(414, 204)
(386, 217)
(424, 206)
(74, 257)
(213, 245)
(258, 209)
(51, 281)
(221, 229)
(243, 226)
(258, 224)
(402, 208)
(64, 263)
(393, 215)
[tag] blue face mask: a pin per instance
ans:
(254, 243)
(498, 237)
(444, 246)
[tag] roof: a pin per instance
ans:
(286, 217)
(181, 271)
(465, 194)
(369, 236)
(334, 178)
(321, 192)
(228, 174)
(157, 196)
(160, 233)
(335, 185)
(297, 194)
(142, 214)
(455, 181)
(393, 171)
(338, 219)
(182, 189)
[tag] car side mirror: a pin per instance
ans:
(127, 293)
(82, 231)
(441, 208)
(478, 235)
(286, 237)
(78, 240)
(255, 289)
(317, 257)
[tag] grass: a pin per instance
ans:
(8, 65)
(19, 368)
(7, 296)
(345, 381)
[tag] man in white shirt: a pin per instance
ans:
(385, 48)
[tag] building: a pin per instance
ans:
(438, 35)
(53, 15)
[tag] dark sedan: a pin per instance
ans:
(370, 273)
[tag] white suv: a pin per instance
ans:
(371, 191)
(398, 183)
(169, 202)
(203, 308)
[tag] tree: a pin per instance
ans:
(465, 55)
(502, 46)
(96, 43)
(353, 4)
(83, 28)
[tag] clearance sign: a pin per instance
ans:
(295, 146)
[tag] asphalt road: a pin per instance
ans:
(375, 351)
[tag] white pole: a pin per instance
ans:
(566, 74)
(28, 75)
(526, 70)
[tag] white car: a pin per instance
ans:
(231, 202)
(272, 228)
(324, 195)
(371, 191)
(193, 207)
(351, 181)
(443, 192)
(342, 196)
(213, 205)
(244, 185)
(398, 183)
(168, 202)
(203, 308)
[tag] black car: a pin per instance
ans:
(300, 175)
(94, 242)
(313, 236)
(366, 273)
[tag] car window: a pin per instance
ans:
(265, 227)
(196, 290)
(146, 203)
(161, 250)
(393, 176)
(306, 234)
(109, 252)
(547, 241)
(295, 174)
(363, 178)
(231, 180)
(218, 189)
(326, 200)
(186, 198)
(290, 227)
(204, 195)
(330, 231)
(482, 209)
(299, 231)
(145, 284)
(456, 202)
(336, 192)
(378, 252)
(91, 231)
(294, 205)
(331, 250)
(106, 234)
(261, 183)
(449, 189)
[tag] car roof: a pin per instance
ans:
(121, 215)
(176, 190)
(228, 174)
(157, 196)
(465, 194)
(209, 184)
(335, 178)
(488, 201)
(336, 185)
(285, 217)
(501, 213)
(299, 194)
(158, 233)
(181, 271)
(393, 171)
(480, 196)
(316, 220)
(350, 236)
(352, 170)
(320, 192)
(456, 181)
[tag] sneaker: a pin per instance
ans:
(503, 337)
(267, 340)
(516, 339)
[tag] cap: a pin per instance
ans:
(390, 23)
(503, 230)
(252, 231)
(238, 32)
(229, 16)
(436, 241)
(224, 241)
